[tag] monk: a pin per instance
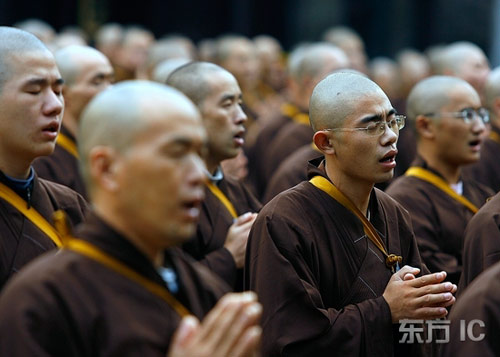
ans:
(334, 260)
(120, 286)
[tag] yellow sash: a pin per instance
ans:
(67, 144)
(494, 136)
(32, 214)
(92, 252)
(301, 118)
(289, 109)
(437, 181)
(391, 260)
(223, 198)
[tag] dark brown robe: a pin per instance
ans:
(259, 150)
(479, 302)
(208, 244)
(61, 167)
(487, 169)
(438, 220)
(291, 171)
(21, 241)
(291, 138)
(66, 304)
(320, 279)
(481, 242)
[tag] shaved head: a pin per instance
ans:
(312, 60)
(492, 88)
(431, 94)
(455, 55)
(14, 42)
(192, 79)
(70, 61)
(336, 97)
(116, 116)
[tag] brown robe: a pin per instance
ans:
(61, 167)
(438, 220)
(320, 279)
(481, 242)
(66, 304)
(21, 240)
(291, 138)
(208, 244)
(479, 302)
(259, 150)
(291, 171)
(487, 169)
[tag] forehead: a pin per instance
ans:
(373, 102)
(221, 83)
(463, 96)
(24, 65)
(89, 64)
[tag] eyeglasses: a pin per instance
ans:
(378, 128)
(467, 115)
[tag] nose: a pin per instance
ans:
(196, 169)
(478, 126)
(241, 116)
(389, 136)
(54, 104)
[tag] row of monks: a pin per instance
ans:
(338, 199)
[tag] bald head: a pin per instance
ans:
(15, 42)
(71, 60)
(125, 110)
(192, 79)
(492, 89)
(317, 60)
(431, 94)
(337, 96)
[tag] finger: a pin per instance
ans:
(216, 325)
(248, 318)
(245, 218)
(406, 270)
(428, 279)
(249, 343)
(430, 313)
(445, 304)
(408, 276)
(446, 287)
(434, 299)
(188, 327)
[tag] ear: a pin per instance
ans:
(425, 126)
(103, 167)
(323, 142)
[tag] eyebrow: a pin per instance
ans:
(231, 97)
(43, 81)
(377, 117)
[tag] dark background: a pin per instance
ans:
(385, 25)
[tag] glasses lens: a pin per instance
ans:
(375, 128)
(484, 115)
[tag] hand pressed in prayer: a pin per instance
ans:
(425, 297)
(230, 329)
(237, 237)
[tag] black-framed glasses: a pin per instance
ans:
(378, 128)
(467, 115)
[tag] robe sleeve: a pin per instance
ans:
(221, 262)
(296, 321)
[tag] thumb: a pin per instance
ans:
(243, 218)
(186, 330)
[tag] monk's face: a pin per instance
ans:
(362, 157)
(223, 116)
(160, 177)
(459, 142)
(94, 76)
(31, 106)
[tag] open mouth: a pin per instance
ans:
(475, 142)
(239, 138)
(388, 158)
(52, 127)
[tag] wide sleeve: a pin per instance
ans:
(296, 320)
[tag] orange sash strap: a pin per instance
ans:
(391, 260)
(223, 198)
